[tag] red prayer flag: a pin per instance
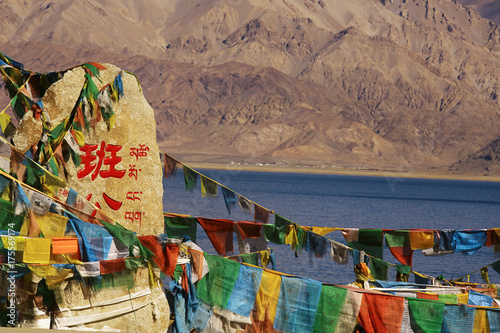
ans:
(165, 259)
(220, 233)
(381, 313)
(112, 266)
(249, 229)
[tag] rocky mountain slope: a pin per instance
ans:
(401, 84)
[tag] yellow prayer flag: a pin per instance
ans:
(53, 276)
(463, 298)
(79, 137)
(37, 251)
(265, 258)
(481, 322)
(4, 121)
(291, 237)
(421, 240)
(267, 296)
(323, 231)
(52, 225)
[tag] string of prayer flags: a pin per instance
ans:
(216, 287)
(398, 242)
(230, 199)
(169, 166)
(245, 290)
(208, 187)
(297, 304)
(261, 214)
(190, 178)
(220, 233)
(468, 241)
(331, 302)
(178, 226)
(245, 204)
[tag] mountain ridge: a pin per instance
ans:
(382, 84)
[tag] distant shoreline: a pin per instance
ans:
(345, 171)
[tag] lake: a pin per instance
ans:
(353, 202)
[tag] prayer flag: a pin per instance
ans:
(37, 251)
(229, 199)
(216, 287)
(261, 214)
(208, 187)
(426, 316)
(381, 313)
(267, 296)
(420, 240)
(178, 226)
(379, 268)
(245, 204)
(297, 304)
(190, 178)
(468, 241)
(64, 245)
(330, 304)
(112, 266)
(398, 242)
(245, 290)
(170, 166)
(220, 233)
(458, 318)
(339, 253)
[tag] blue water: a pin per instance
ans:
(356, 202)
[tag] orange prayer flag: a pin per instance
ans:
(197, 257)
(432, 297)
(421, 240)
(64, 246)
(381, 313)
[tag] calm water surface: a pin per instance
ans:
(353, 201)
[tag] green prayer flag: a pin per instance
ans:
(53, 166)
(403, 269)
(496, 266)
(275, 234)
(250, 258)
(8, 220)
(33, 175)
(379, 268)
(133, 263)
(190, 178)
(208, 188)
(371, 237)
(128, 238)
(425, 315)
(331, 302)
(177, 226)
(448, 299)
(215, 287)
(281, 221)
(397, 238)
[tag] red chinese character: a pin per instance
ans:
(87, 160)
(95, 168)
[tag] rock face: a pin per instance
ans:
(398, 84)
(120, 169)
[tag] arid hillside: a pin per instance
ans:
(389, 84)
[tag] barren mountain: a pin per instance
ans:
(401, 84)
